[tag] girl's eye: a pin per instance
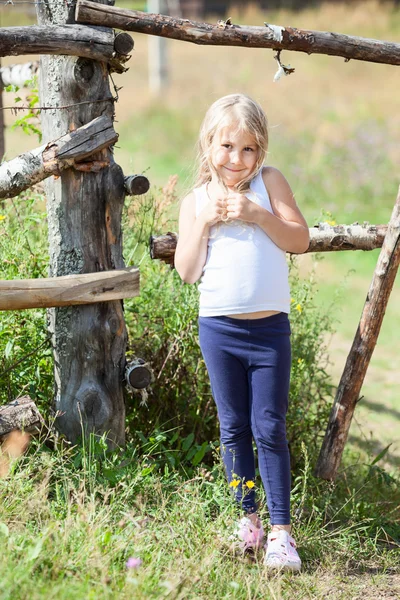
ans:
(247, 149)
(226, 145)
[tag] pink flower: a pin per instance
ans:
(133, 563)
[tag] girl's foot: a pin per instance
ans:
(281, 552)
(251, 534)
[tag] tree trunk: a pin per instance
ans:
(270, 36)
(361, 351)
(84, 217)
(68, 151)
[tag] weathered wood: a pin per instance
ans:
(84, 217)
(18, 74)
(136, 185)
(71, 40)
(324, 238)
(69, 290)
(270, 36)
(22, 414)
(50, 159)
(123, 43)
(361, 351)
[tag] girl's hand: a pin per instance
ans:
(215, 210)
(240, 207)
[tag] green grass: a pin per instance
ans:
(69, 520)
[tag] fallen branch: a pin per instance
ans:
(51, 159)
(324, 238)
(69, 290)
(269, 36)
(361, 351)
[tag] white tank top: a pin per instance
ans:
(245, 271)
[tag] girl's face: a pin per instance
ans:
(234, 155)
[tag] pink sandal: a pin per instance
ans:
(281, 552)
(250, 534)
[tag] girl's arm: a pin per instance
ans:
(286, 226)
(191, 249)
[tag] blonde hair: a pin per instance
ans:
(248, 116)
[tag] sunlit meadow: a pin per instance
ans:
(155, 520)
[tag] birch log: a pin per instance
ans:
(18, 74)
(84, 217)
(61, 39)
(324, 238)
(361, 351)
(86, 288)
(50, 159)
(21, 414)
(269, 36)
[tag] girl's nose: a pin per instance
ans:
(235, 157)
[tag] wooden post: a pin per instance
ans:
(2, 142)
(84, 216)
(158, 70)
(361, 351)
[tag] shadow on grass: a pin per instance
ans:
(373, 447)
(380, 408)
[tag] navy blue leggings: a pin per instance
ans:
(248, 362)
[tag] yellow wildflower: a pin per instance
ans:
(2, 217)
(234, 483)
(299, 308)
(292, 300)
(300, 360)
(250, 484)
(332, 222)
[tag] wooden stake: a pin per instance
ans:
(361, 351)
(84, 218)
(269, 36)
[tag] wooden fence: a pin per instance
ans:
(80, 49)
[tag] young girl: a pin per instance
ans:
(234, 231)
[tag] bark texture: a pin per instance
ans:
(324, 238)
(22, 414)
(72, 40)
(84, 217)
(27, 169)
(69, 290)
(270, 36)
(361, 351)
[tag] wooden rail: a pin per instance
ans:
(51, 159)
(72, 40)
(324, 238)
(269, 36)
(69, 290)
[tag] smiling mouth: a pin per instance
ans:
(234, 170)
